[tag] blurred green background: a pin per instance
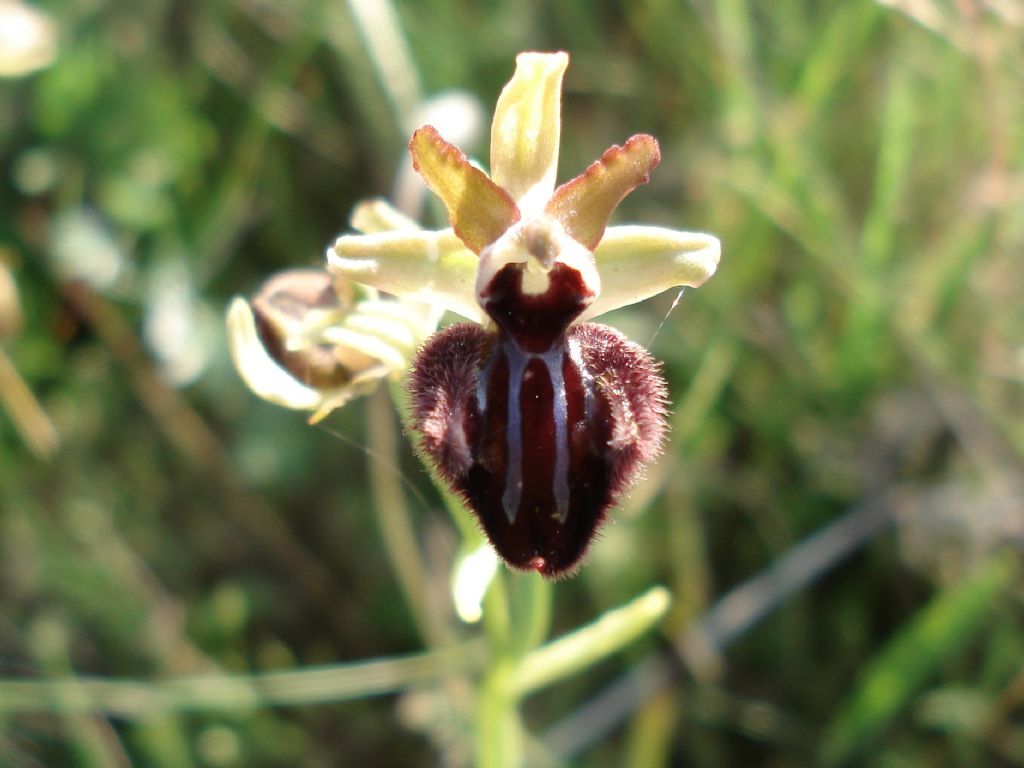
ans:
(854, 371)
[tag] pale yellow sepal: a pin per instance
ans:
(637, 262)
(526, 129)
(373, 216)
(431, 267)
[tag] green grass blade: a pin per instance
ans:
(893, 678)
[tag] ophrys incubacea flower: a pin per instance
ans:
(538, 419)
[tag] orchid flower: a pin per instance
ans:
(537, 418)
(312, 341)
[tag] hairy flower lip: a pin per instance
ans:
(539, 443)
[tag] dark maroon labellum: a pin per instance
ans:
(540, 426)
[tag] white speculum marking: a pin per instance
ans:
(514, 435)
(553, 361)
(576, 358)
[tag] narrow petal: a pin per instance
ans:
(585, 204)
(432, 267)
(526, 127)
(636, 263)
(378, 215)
(480, 210)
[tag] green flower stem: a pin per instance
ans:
(517, 614)
(515, 671)
(499, 730)
(588, 645)
(497, 614)
(469, 530)
(532, 594)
